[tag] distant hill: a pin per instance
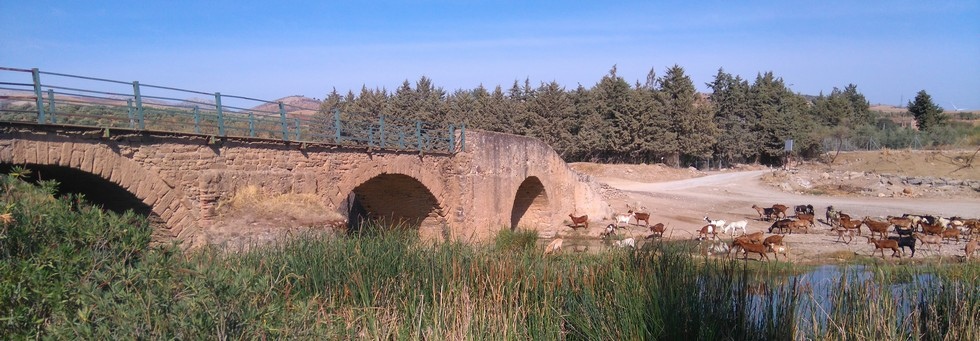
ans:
(888, 109)
(297, 104)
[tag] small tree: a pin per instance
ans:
(927, 115)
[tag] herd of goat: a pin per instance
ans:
(909, 229)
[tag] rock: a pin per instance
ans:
(907, 191)
(882, 195)
(825, 175)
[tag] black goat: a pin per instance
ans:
(905, 241)
(803, 209)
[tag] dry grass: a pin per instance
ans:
(956, 164)
(255, 202)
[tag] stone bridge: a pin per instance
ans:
(499, 181)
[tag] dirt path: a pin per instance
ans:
(682, 205)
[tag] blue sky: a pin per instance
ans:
(268, 50)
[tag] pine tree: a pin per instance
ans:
(780, 115)
(611, 97)
(552, 106)
(690, 119)
(927, 114)
(729, 99)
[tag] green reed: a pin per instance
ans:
(72, 271)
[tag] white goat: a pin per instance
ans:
(609, 231)
(716, 223)
(628, 242)
(735, 225)
(624, 219)
(553, 247)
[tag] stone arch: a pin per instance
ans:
(396, 200)
(96, 190)
(531, 205)
(101, 161)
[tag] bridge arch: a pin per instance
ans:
(96, 190)
(394, 199)
(94, 160)
(531, 205)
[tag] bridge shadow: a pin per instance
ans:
(530, 204)
(391, 201)
(96, 190)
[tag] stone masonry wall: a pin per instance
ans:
(182, 178)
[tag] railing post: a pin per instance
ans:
(418, 134)
(370, 136)
(221, 116)
(336, 125)
(130, 113)
(462, 138)
(452, 138)
(139, 105)
(297, 129)
(381, 124)
(197, 119)
(282, 118)
(251, 124)
(51, 109)
(38, 97)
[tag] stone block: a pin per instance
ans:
(88, 160)
(66, 149)
(152, 198)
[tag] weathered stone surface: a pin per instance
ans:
(500, 181)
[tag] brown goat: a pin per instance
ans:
(851, 224)
(930, 239)
(576, 221)
(708, 229)
(951, 233)
(971, 247)
(782, 225)
(776, 239)
(776, 249)
(880, 227)
(645, 217)
(753, 248)
(802, 224)
(658, 231)
(752, 238)
(900, 222)
(808, 218)
(936, 229)
(885, 244)
(780, 210)
(755, 237)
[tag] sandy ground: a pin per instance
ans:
(682, 198)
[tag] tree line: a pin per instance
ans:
(663, 119)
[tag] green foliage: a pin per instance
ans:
(53, 245)
(515, 240)
(72, 272)
(690, 120)
(729, 99)
(927, 114)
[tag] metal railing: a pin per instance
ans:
(71, 100)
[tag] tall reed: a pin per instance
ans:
(73, 272)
